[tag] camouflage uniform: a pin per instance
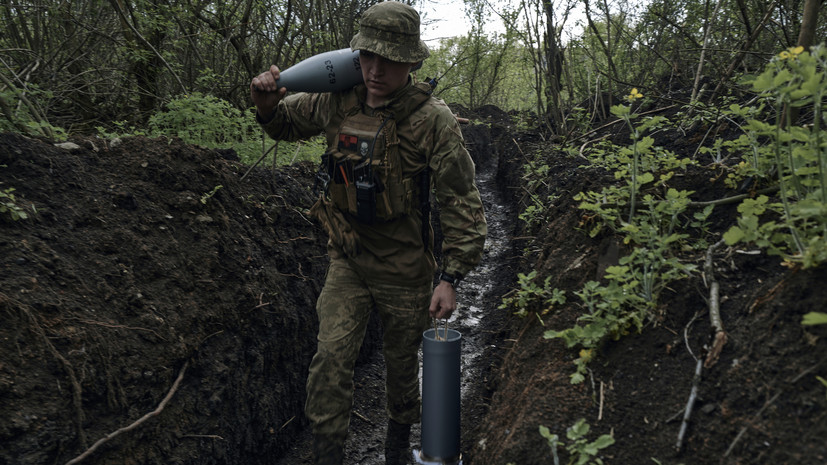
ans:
(393, 270)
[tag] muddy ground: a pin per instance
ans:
(150, 316)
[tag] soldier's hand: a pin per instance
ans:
(264, 93)
(443, 301)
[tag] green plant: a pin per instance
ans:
(553, 442)
(814, 318)
(210, 194)
(581, 450)
(635, 166)
(798, 229)
(23, 113)
(630, 295)
(202, 119)
(529, 292)
(9, 205)
(822, 380)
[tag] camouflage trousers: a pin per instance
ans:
(344, 307)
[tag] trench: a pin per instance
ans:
(477, 318)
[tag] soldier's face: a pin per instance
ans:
(382, 76)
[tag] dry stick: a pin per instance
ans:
(259, 160)
(137, 422)
(687, 413)
(714, 308)
(767, 404)
(717, 345)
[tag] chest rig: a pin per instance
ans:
(363, 167)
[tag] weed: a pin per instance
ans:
(797, 231)
(9, 205)
(210, 194)
(529, 293)
(581, 451)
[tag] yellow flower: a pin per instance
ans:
(586, 354)
(791, 52)
(634, 95)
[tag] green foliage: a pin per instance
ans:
(23, 114)
(204, 120)
(480, 69)
(535, 176)
(796, 227)
(655, 234)
(636, 166)
(9, 205)
(814, 318)
(530, 293)
(581, 450)
(213, 123)
(207, 196)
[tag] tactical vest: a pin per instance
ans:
(364, 166)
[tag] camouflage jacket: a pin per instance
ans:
(393, 251)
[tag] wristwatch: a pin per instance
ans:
(453, 280)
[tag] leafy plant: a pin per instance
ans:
(9, 205)
(581, 450)
(529, 292)
(797, 229)
(210, 194)
(632, 288)
(203, 119)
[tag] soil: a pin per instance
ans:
(158, 307)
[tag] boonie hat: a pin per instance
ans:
(391, 29)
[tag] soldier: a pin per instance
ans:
(389, 143)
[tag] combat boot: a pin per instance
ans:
(328, 450)
(397, 444)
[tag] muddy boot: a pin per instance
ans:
(398, 444)
(328, 450)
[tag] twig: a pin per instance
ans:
(714, 308)
(287, 422)
(137, 422)
(364, 418)
(259, 160)
(203, 436)
(768, 296)
(687, 413)
(734, 199)
(600, 410)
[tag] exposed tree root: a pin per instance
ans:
(137, 422)
(77, 391)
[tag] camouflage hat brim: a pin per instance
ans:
(391, 29)
(393, 46)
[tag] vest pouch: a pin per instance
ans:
(397, 199)
(366, 201)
